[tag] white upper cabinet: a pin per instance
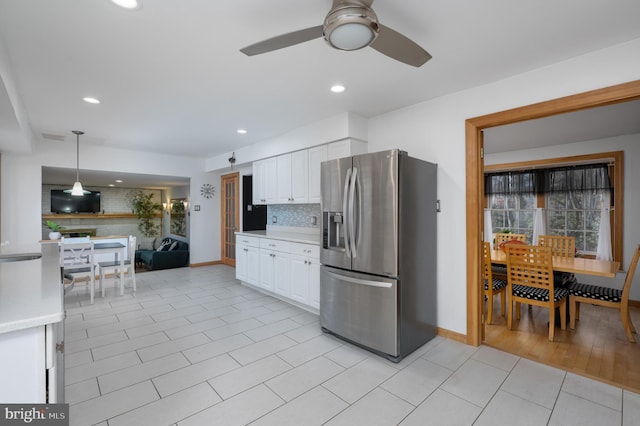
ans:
(293, 177)
(316, 156)
(264, 181)
(300, 176)
(258, 182)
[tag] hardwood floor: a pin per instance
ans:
(598, 348)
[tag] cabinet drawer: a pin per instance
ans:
(247, 241)
(308, 250)
(277, 245)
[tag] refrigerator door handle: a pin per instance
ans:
(360, 281)
(352, 219)
(345, 218)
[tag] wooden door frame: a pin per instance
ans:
(475, 175)
(223, 194)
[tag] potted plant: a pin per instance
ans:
(145, 210)
(54, 234)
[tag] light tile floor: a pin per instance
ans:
(194, 347)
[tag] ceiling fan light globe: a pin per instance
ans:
(350, 27)
(351, 36)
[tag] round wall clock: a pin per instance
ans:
(207, 190)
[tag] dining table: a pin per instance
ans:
(575, 265)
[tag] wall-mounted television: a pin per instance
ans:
(62, 202)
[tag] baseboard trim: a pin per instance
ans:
(635, 303)
(458, 337)
(198, 265)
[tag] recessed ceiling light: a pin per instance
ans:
(338, 88)
(91, 100)
(127, 4)
(119, 181)
(241, 131)
(111, 184)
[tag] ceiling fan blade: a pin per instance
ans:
(393, 44)
(284, 40)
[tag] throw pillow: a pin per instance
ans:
(147, 243)
(164, 246)
(173, 246)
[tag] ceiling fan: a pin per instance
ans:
(350, 25)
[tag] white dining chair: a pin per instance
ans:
(77, 258)
(114, 265)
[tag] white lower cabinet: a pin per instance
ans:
(274, 271)
(286, 269)
(274, 265)
(305, 274)
(247, 260)
(314, 283)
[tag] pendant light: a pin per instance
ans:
(77, 190)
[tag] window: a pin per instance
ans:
(512, 201)
(576, 214)
(574, 197)
(513, 213)
(571, 190)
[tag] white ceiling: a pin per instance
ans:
(171, 78)
(589, 124)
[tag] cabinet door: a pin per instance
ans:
(299, 176)
(266, 269)
(258, 194)
(253, 265)
(316, 156)
(270, 181)
(300, 279)
(314, 283)
(281, 281)
(241, 262)
(284, 178)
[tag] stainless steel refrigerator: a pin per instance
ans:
(378, 255)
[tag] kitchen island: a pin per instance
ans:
(31, 324)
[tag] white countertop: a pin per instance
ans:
(296, 237)
(31, 294)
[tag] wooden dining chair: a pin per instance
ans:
(606, 296)
(113, 265)
(492, 286)
(503, 238)
(530, 280)
(560, 246)
(500, 271)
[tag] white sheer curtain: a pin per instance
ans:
(488, 228)
(604, 233)
(539, 225)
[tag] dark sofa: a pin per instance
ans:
(167, 255)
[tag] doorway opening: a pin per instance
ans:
(475, 179)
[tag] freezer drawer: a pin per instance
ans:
(361, 308)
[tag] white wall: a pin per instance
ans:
(630, 144)
(435, 131)
(342, 126)
(22, 179)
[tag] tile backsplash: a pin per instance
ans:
(294, 215)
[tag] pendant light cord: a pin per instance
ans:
(77, 157)
(77, 133)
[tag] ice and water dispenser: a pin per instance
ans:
(332, 231)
